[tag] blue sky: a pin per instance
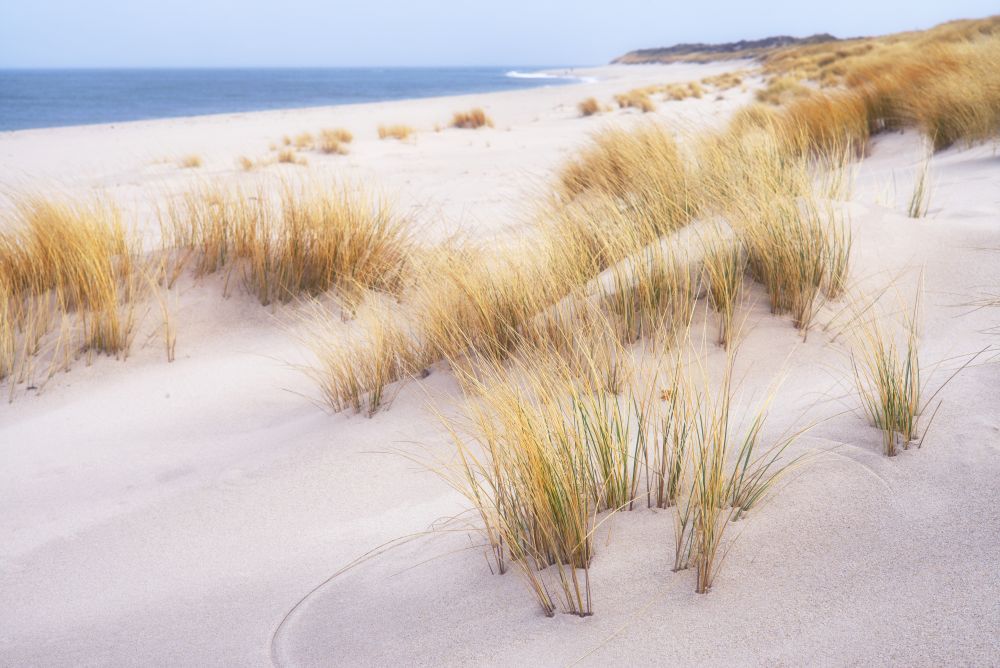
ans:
(206, 33)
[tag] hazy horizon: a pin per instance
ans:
(310, 33)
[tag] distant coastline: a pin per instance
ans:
(706, 53)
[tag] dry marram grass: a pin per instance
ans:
(472, 119)
(396, 131)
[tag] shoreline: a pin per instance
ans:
(572, 80)
(553, 75)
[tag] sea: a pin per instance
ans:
(40, 98)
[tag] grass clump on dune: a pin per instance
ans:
(920, 198)
(723, 472)
(636, 99)
(723, 81)
(335, 141)
(471, 120)
(589, 107)
(546, 453)
(397, 131)
(887, 376)
(304, 140)
(478, 304)
(287, 156)
(781, 89)
(547, 450)
(70, 278)
(643, 170)
(308, 240)
(191, 161)
(354, 371)
(725, 264)
(797, 247)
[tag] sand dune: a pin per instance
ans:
(174, 514)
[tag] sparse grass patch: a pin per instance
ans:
(396, 131)
(471, 120)
(288, 156)
(728, 472)
(354, 371)
(304, 140)
(335, 141)
(637, 99)
(920, 199)
(589, 107)
(723, 81)
(781, 89)
(887, 376)
(191, 161)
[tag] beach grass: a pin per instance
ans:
(335, 141)
(395, 131)
(636, 99)
(473, 119)
(309, 239)
(589, 107)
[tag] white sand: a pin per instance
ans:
(172, 514)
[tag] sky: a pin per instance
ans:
(233, 33)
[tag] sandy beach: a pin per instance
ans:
(193, 512)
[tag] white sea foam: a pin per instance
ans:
(514, 74)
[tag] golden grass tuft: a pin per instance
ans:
(191, 161)
(304, 140)
(589, 107)
(643, 170)
(637, 99)
(920, 198)
(728, 472)
(725, 264)
(782, 89)
(308, 240)
(70, 278)
(395, 131)
(478, 304)
(354, 373)
(471, 120)
(723, 81)
(335, 141)
(887, 376)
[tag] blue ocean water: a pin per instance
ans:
(49, 98)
